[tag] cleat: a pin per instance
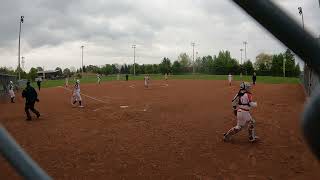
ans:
(28, 119)
(81, 106)
(255, 139)
(38, 115)
(226, 138)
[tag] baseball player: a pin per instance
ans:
(146, 81)
(11, 91)
(229, 79)
(244, 105)
(76, 97)
(31, 96)
(166, 76)
(99, 78)
(67, 82)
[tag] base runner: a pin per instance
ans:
(76, 97)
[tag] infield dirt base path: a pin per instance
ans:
(164, 132)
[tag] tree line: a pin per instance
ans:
(221, 64)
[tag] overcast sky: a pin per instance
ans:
(54, 30)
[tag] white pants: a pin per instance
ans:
(77, 96)
(243, 117)
(11, 93)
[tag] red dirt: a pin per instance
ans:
(169, 132)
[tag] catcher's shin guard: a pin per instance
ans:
(251, 131)
(231, 132)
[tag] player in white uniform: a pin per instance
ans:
(244, 105)
(229, 79)
(67, 82)
(76, 97)
(11, 91)
(99, 78)
(146, 81)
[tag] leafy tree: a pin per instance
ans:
(185, 62)
(115, 69)
(149, 69)
(165, 66)
(106, 69)
(67, 72)
(23, 74)
(32, 75)
(248, 67)
(137, 68)
(290, 63)
(224, 63)
(5, 70)
(277, 65)
(155, 68)
(59, 71)
(176, 67)
(265, 59)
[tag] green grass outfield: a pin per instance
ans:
(93, 79)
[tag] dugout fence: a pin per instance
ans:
(4, 81)
(310, 79)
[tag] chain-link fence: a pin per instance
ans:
(310, 79)
(4, 82)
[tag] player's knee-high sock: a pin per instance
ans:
(232, 131)
(74, 102)
(251, 131)
(80, 103)
(12, 100)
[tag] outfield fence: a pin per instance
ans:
(310, 80)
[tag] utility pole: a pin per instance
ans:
(19, 68)
(22, 62)
(241, 55)
(193, 44)
(134, 59)
(245, 50)
(82, 60)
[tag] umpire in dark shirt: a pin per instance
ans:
(31, 96)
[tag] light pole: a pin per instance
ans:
(22, 62)
(193, 44)
(245, 50)
(241, 55)
(82, 60)
(21, 21)
(134, 59)
(301, 14)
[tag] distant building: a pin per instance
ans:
(49, 74)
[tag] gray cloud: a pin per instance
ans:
(54, 30)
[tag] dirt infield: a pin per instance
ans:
(164, 132)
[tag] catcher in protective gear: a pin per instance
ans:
(76, 97)
(243, 107)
